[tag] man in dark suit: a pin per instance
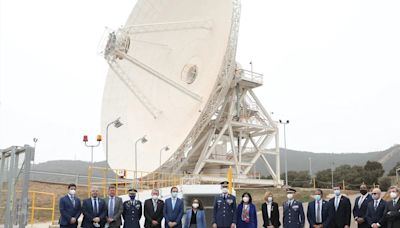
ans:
(153, 210)
(375, 210)
(360, 207)
(114, 208)
(293, 213)
(94, 210)
(341, 210)
(392, 209)
(132, 210)
(173, 210)
(224, 212)
(319, 211)
(70, 208)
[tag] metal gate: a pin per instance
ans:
(15, 165)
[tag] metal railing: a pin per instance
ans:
(144, 181)
(35, 208)
(250, 76)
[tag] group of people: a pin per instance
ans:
(369, 210)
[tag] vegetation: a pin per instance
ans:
(352, 176)
(392, 172)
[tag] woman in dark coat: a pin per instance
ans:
(270, 212)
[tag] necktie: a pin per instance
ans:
(111, 209)
(360, 201)
(318, 213)
(95, 210)
(394, 203)
(155, 205)
(336, 203)
(73, 201)
(173, 204)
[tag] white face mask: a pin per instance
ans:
(195, 205)
(246, 199)
(337, 192)
(72, 192)
(375, 196)
(269, 198)
(174, 194)
(290, 196)
(224, 190)
(393, 195)
(154, 197)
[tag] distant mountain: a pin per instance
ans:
(299, 160)
(76, 171)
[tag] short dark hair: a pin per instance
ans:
(71, 185)
(174, 188)
(112, 186)
(246, 194)
(201, 207)
(320, 191)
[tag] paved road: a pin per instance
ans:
(351, 197)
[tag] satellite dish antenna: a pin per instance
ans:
(171, 67)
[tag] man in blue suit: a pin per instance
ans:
(70, 208)
(360, 207)
(173, 210)
(94, 210)
(375, 210)
(224, 213)
(319, 212)
(293, 213)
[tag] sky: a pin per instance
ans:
(330, 67)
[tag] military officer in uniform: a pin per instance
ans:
(224, 214)
(132, 210)
(293, 213)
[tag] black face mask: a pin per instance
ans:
(363, 192)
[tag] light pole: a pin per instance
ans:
(284, 138)
(309, 160)
(397, 175)
(116, 124)
(333, 163)
(85, 140)
(166, 148)
(142, 140)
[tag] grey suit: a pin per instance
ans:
(118, 209)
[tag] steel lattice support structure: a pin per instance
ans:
(237, 135)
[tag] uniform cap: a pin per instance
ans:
(132, 190)
(224, 183)
(290, 190)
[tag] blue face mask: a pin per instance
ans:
(132, 197)
(174, 194)
(317, 197)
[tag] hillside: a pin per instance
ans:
(297, 160)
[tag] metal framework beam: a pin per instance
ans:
(169, 26)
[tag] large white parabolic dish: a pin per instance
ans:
(178, 39)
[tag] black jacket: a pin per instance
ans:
(392, 214)
(89, 215)
(274, 215)
(150, 215)
(341, 215)
(376, 215)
